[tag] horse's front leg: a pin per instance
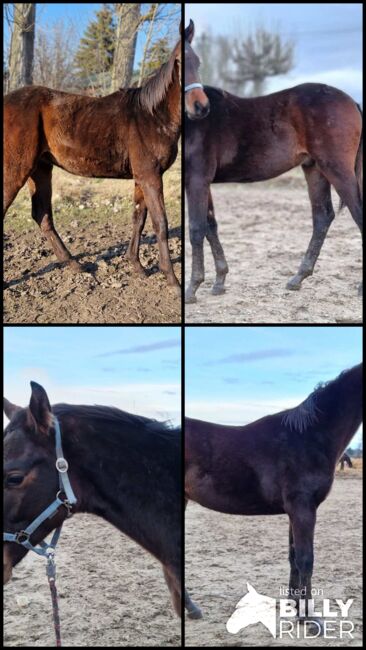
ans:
(197, 194)
(217, 250)
(152, 187)
(302, 523)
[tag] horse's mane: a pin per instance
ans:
(152, 92)
(306, 414)
(112, 415)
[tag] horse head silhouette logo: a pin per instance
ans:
(253, 608)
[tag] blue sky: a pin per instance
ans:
(328, 37)
(134, 368)
(235, 375)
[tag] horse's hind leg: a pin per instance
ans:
(193, 610)
(138, 219)
(173, 581)
(345, 183)
(217, 250)
(323, 215)
(40, 187)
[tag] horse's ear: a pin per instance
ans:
(40, 408)
(189, 32)
(251, 589)
(10, 409)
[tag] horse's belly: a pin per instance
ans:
(202, 489)
(75, 162)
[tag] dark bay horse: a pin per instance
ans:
(242, 140)
(132, 133)
(122, 467)
(281, 464)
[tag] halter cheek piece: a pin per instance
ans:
(22, 537)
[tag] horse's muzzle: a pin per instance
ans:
(200, 111)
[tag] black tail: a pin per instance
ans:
(358, 164)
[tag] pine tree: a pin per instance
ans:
(96, 50)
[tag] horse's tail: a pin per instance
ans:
(358, 164)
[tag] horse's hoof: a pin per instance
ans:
(190, 299)
(75, 267)
(195, 613)
(175, 289)
(294, 284)
(217, 290)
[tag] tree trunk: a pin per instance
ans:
(129, 17)
(22, 46)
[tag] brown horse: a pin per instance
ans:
(132, 133)
(122, 467)
(231, 139)
(281, 464)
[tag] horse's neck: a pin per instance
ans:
(346, 413)
(174, 103)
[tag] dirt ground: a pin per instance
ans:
(265, 229)
(112, 593)
(93, 217)
(223, 552)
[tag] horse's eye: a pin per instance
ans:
(14, 479)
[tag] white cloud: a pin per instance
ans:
(140, 398)
(348, 79)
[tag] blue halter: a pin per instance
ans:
(22, 537)
(192, 86)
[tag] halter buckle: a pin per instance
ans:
(62, 465)
(21, 537)
(65, 502)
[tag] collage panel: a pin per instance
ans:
(183, 455)
(104, 405)
(92, 161)
(273, 163)
(273, 486)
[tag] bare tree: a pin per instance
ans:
(22, 45)
(129, 19)
(54, 56)
(154, 10)
(258, 57)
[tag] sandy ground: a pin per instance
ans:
(112, 593)
(93, 217)
(265, 229)
(223, 552)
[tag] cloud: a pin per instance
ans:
(139, 349)
(248, 357)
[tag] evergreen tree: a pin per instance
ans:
(96, 50)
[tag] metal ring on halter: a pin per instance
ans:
(21, 537)
(62, 465)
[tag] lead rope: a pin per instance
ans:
(51, 575)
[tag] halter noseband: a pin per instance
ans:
(22, 537)
(192, 86)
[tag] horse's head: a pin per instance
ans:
(197, 104)
(30, 476)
